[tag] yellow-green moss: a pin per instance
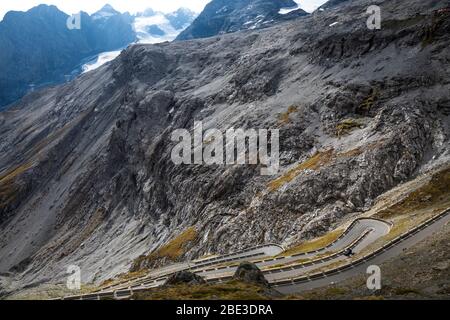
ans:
(232, 290)
(314, 244)
(315, 162)
(321, 294)
(347, 126)
(369, 101)
(123, 278)
(173, 250)
(284, 117)
(9, 189)
(434, 193)
(14, 173)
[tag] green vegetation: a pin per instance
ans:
(434, 194)
(369, 101)
(284, 118)
(323, 294)
(173, 250)
(405, 291)
(232, 290)
(9, 189)
(123, 278)
(13, 174)
(347, 126)
(314, 244)
(315, 162)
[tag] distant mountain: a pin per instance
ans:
(152, 26)
(37, 47)
(106, 12)
(224, 16)
(181, 18)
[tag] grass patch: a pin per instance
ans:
(314, 244)
(232, 290)
(369, 101)
(9, 189)
(13, 174)
(351, 153)
(347, 126)
(370, 298)
(405, 291)
(435, 192)
(173, 250)
(123, 278)
(46, 292)
(325, 294)
(285, 117)
(315, 162)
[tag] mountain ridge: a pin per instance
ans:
(220, 16)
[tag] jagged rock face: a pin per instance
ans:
(86, 175)
(249, 272)
(222, 16)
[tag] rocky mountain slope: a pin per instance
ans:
(86, 176)
(38, 49)
(221, 16)
(333, 3)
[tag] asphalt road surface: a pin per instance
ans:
(288, 273)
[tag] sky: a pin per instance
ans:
(133, 6)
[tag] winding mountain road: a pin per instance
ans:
(288, 274)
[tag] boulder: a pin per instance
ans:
(184, 277)
(249, 272)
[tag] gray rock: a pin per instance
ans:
(249, 272)
(184, 277)
(442, 266)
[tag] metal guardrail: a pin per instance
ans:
(130, 291)
(239, 252)
(300, 266)
(208, 262)
(146, 278)
(136, 283)
(223, 258)
(364, 259)
(303, 265)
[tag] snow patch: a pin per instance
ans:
(142, 23)
(284, 11)
(101, 59)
